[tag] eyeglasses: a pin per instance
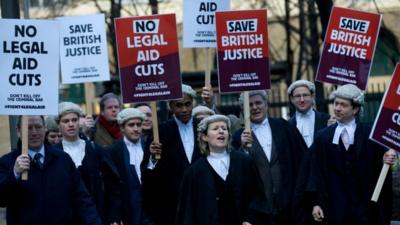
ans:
(304, 96)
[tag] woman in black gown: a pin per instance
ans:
(222, 188)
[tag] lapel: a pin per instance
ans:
(180, 149)
(358, 138)
(49, 156)
(276, 138)
(127, 167)
(318, 122)
(257, 150)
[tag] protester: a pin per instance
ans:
(106, 129)
(53, 135)
(54, 192)
(277, 149)
(347, 165)
(133, 162)
(223, 188)
(147, 125)
(96, 168)
(179, 151)
(307, 120)
(200, 112)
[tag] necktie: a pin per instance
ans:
(345, 138)
(36, 160)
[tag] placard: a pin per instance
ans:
(29, 67)
(386, 129)
(242, 46)
(83, 49)
(349, 47)
(148, 58)
(199, 22)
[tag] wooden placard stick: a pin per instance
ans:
(208, 69)
(379, 184)
(24, 140)
(89, 97)
(156, 137)
(246, 114)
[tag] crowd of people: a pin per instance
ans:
(314, 168)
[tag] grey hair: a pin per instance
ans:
(202, 128)
(262, 93)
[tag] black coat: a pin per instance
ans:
(332, 184)
(131, 190)
(301, 208)
(162, 189)
(102, 181)
(52, 195)
(290, 148)
(198, 202)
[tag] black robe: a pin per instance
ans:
(340, 194)
(198, 202)
(102, 181)
(161, 188)
(301, 209)
(131, 188)
(289, 150)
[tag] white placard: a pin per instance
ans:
(83, 49)
(29, 67)
(199, 22)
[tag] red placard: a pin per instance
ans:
(242, 46)
(148, 58)
(386, 129)
(349, 47)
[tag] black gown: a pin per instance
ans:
(344, 180)
(207, 199)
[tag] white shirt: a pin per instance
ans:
(76, 150)
(305, 124)
(220, 163)
(264, 136)
(135, 155)
(187, 136)
(350, 128)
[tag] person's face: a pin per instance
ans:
(36, 132)
(147, 123)
(111, 109)
(132, 129)
(182, 109)
(258, 109)
(69, 126)
(217, 136)
(54, 137)
(344, 110)
(302, 99)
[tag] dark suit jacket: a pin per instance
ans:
(52, 195)
(331, 182)
(321, 120)
(102, 181)
(289, 148)
(168, 174)
(132, 205)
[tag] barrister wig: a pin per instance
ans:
(68, 107)
(130, 113)
(301, 83)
